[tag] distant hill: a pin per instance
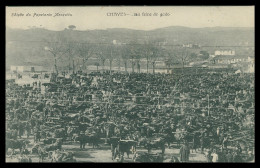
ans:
(23, 45)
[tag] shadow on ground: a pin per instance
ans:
(82, 154)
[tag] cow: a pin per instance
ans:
(25, 151)
(92, 139)
(58, 156)
(68, 157)
(48, 141)
(125, 146)
(60, 133)
(43, 134)
(9, 134)
(34, 149)
(37, 136)
(15, 144)
(169, 138)
(70, 133)
(75, 137)
(174, 159)
(146, 157)
(158, 143)
(54, 146)
(37, 149)
(42, 153)
(181, 136)
(24, 159)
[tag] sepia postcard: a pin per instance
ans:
(130, 84)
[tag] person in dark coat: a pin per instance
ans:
(82, 141)
(225, 142)
(222, 156)
(229, 156)
(237, 157)
(28, 129)
(37, 135)
(14, 134)
(202, 141)
(195, 142)
(185, 152)
(238, 148)
(20, 130)
(174, 159)
(208, 156)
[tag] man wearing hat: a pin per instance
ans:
(185, 152)
(238, 148)
(202, 142)
(82, 140)
(229, 156)
(225, 142)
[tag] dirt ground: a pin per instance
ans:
(103, 153)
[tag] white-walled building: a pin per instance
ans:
(26, 67)
(251, 65)
(229, 59)
(224, 52)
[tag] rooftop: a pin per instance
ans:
(26, 64)
(231, 57)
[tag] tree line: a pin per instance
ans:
(63, 46)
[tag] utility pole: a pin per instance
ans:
(147, 63)
(55, 65)
(110, 60)
(208, 106)
(73, 66)
(16, 73)
(69, 64)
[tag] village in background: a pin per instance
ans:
(38, 51)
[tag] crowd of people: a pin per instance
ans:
(208, 112)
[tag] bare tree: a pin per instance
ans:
(85, 51)
(125, 55)
(170, 59)
(70, 50)
(97, 64)
(183, 57)
(154, 57)
(133, 62)
(56, 47)
(118, 57)
(71, 27)
(110, 52)
(133, 53)
(118, 61)
(147, 48)
(138, 64)
(101, 53)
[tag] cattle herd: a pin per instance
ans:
(210, 112)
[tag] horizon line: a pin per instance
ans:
(31, 27)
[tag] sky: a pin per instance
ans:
(89, 18)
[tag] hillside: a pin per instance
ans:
(28, 45)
